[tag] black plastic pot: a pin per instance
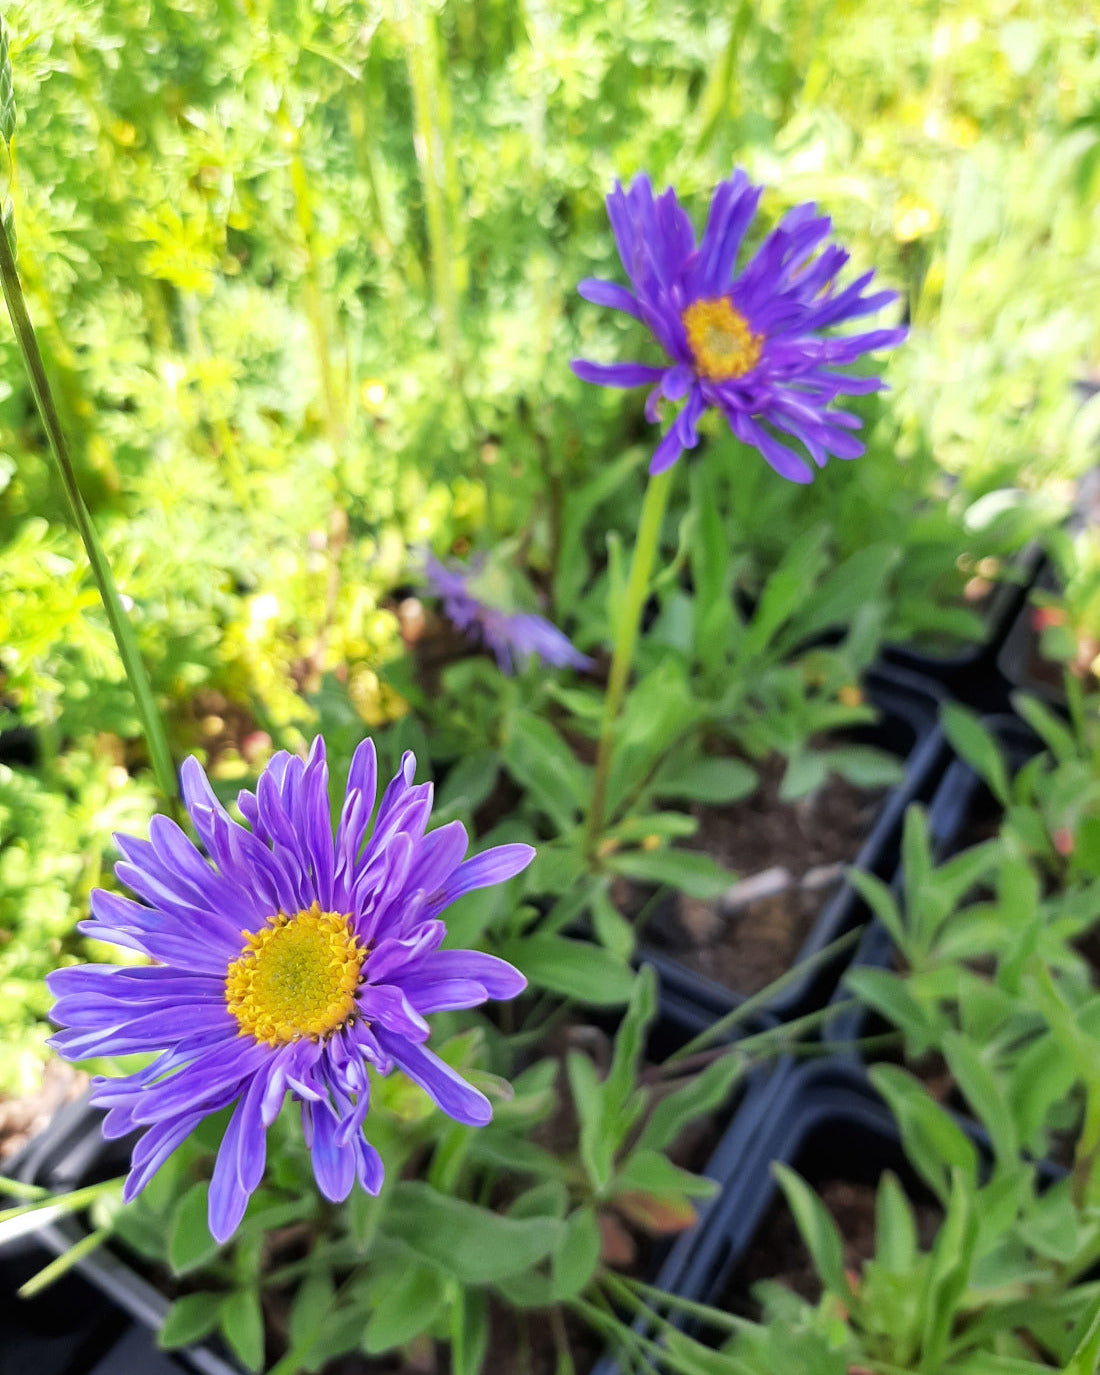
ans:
(826, 1121)
(960, 799)
(75, 1327)
(71, 1153)
(909, 706)
(1016, 660)
(971, 674)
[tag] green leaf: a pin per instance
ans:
(895, 1227)
(473, 1244)
(701, 1094)
(242, 1323)
(541, 761)
(984, 1095)
(468, 784)
(189, 1241)
(932, 1139)
(469, 1333)
(548, 1199)
(806, 771)
(784, 592)
(188, 1320)
(311, 1310)
(651, 1172)
(975, 744)
(596, 1145)
(574, 969)
(866, 767)
(882, 902)
(1052, 1226)
(949, 1269)
(1052, 731)
(916, 863)
(7, 88)
(707, 780)
(818, 1230)
(1086, 1359)
(687, 871)
(611, 928)
(574, 1262)
(893, 997)
(405, 1301)
(619, 1086)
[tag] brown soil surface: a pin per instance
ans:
(778, 1253)
(749, 948)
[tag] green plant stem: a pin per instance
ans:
(626, 637)
(64, 1263)
(62, 1203)
(729, 1322)
(155, 737)
(759, 1000)
(430, 100)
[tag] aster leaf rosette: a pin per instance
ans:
(755, 345)
(288, 959)
(511, 635)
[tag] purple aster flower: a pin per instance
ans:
(752, 345)
(287, 962)
(507, 633)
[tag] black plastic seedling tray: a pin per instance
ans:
(971, 674)
(73, 1327)
(960, 798)
(907, 727)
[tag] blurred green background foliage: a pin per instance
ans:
(304, 274)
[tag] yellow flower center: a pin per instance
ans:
(720, 339)
(296, 977)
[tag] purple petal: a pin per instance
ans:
(601, 293)
(615, 374)
(443, 1085)
(496, 865)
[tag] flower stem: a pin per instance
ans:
(157, 741)
(626, 637)
(431, 116)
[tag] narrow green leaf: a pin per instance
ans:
(311, 1310)
(405, 1300)
(703, 1093)
(189, 1241)
(651, 1172)
(971, 739)
(574, 969)
(596, 1146)
(984, 1094)
(882, 902)
(932, 1139)
(895, 1227)
(707, 780)
(574, 1262)
(473, 1244)
(688, 872)
(818, 1231)
(242, 1323)
(188, 1320)
(611, 928)
(1057, 737)
(541, 761)
(1086, 1359)
(629, 1041)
